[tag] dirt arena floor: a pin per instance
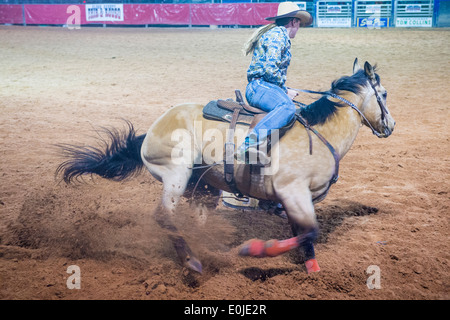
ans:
(389, 208)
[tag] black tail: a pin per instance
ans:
(117, 158)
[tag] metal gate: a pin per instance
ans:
(418, 13)
(372, 14)
(337, 14)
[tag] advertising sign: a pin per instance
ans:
(373, 8)
(413, 8)
(371, 22)
(334, 22)
(104, 12)
(334, 9)
(301, 5)
(410, 22)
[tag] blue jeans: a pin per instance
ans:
(272, 99)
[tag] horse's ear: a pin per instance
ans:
(356, 66)
(368, 69)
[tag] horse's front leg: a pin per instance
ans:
(300, 210)
(273, 248)
(305, 241)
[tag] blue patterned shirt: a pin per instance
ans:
(271, 57)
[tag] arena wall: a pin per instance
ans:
(343, 13)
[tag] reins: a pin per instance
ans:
(309, 129)
(333, 151)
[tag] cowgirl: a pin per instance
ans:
(271, 47)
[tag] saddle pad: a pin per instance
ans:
(213, 112)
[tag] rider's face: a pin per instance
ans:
(293, 28)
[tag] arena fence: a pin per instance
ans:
(334, 13)
(138, 14)
(372, 14)
(326, 13)
(442, 13)
(413, 13)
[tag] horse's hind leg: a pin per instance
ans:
(175, 181)
(202, 196)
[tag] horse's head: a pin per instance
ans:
(374, 106)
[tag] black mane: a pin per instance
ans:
(321, 110)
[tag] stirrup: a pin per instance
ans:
(257, 157)
(252, 154)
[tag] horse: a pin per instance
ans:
(182, 147)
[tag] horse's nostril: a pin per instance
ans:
(387, 132)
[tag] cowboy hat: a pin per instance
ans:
(289, 9)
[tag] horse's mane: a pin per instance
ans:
(321, 110)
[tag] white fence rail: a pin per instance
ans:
(374, 13)
(334, 14)
(413, 13)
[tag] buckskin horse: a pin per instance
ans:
(179, 148)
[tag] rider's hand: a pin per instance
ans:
(292, 93)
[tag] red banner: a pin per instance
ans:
(168, 13)
(11, 14)
(139, 14)
(263, 10)
(214, 13)
(47, 14)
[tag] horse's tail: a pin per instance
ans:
(117, 158)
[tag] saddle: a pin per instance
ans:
(223, 110)
(236, 112)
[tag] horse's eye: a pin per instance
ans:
(385, 95)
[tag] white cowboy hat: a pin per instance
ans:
(289, 9)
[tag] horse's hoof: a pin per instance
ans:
(253, 248)
(312, 266)
(194, 264)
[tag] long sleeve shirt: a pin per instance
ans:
(271, 57)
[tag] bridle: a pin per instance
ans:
(383, 108)
(336, 156)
